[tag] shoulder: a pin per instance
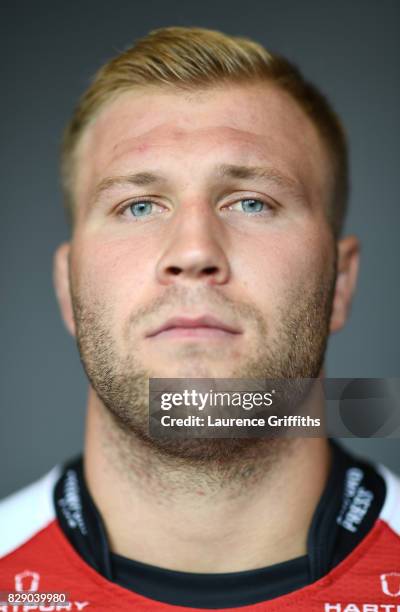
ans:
(26, 512)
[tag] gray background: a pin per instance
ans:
(49, 50)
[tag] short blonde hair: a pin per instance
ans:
(193, 58)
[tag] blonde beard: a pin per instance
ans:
(296, 351)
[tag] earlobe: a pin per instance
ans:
(61, 279)
(346, 280)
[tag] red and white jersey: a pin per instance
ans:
(36, 555)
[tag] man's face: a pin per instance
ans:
(205, 209)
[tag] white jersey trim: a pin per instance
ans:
(390, 512)
(27, 511)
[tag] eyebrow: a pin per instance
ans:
(139, 179)
(223, 171)
(270, 174)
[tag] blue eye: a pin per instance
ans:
(251, 205)
(141, 209)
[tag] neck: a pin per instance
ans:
(166, 512)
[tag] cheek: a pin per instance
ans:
(113, 273)
(283, 264)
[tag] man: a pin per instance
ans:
(206, 183)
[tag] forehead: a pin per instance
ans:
(182, 132)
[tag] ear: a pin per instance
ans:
(347, 271)
(61, 281)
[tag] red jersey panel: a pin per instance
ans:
(36, 556)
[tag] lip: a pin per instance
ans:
(206, 326)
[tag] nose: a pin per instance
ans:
(194, 251)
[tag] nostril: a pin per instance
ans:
(210, 270)
(174, 270)
(201, 271)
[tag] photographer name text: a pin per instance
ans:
(210, 421)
